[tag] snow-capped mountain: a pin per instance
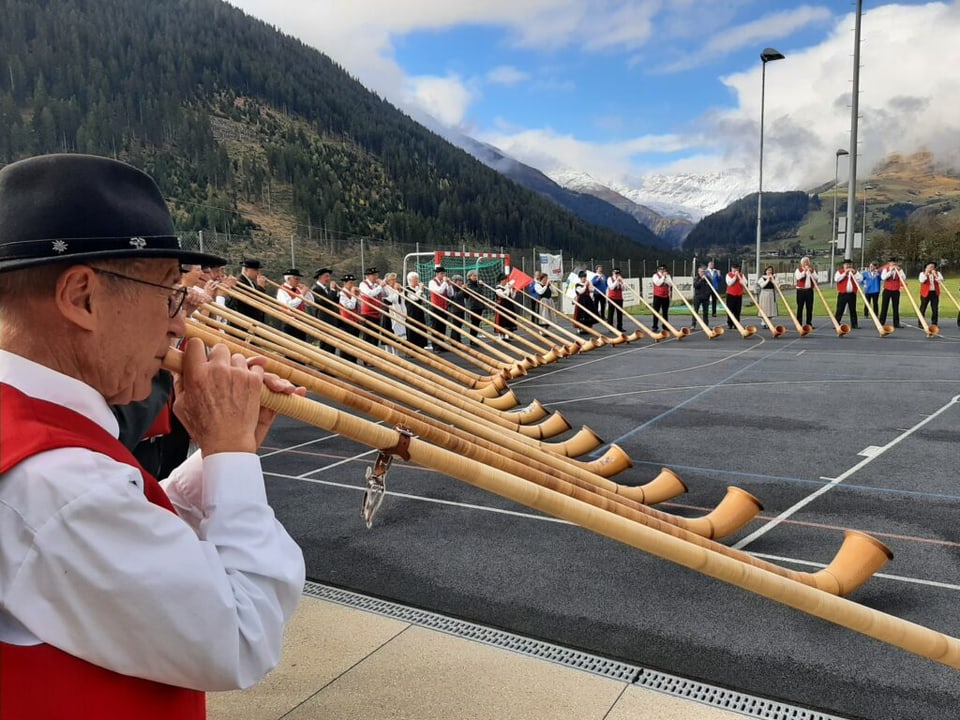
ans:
(686, 196)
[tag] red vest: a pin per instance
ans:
(847, 284)
(40, 682)
(925, 288)
(369, 306)
(662, 291)
(616, 293)
(802, 283)
(295, 292)
(892, 283)
(437, 299)
(736, 289)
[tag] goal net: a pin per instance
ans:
(489, 266)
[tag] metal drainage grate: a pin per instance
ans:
(651, 679)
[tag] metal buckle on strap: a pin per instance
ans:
(376, 476)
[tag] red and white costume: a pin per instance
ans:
(371, 294)
(117, 598)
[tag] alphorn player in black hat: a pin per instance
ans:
(326, 295)
(295, 296)
(119, 597)
(251, 278)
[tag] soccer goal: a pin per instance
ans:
(489, 266)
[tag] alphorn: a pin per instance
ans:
(373, 355)
(884, 330)
(775, 330)
(600, 338)
(558, 330)
(545, 353)
(678, 334)
(498, 370)
(802, 330)
(656, 336)
(613, 461)
(745, 332)
(734, 511)
(858, 558)
(711, 333)
(841, 328)
(565, 346)
(585, 440)
(617, 336)
(930, 329)
(950, 295)
(427, 358)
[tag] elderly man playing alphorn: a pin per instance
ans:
(119, 597)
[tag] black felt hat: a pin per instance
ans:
(322, 271)
(439, 269)
(347, 278)
(292, 272)
(252, 264)
(371, 271)
(74, 208)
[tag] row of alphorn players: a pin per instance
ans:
(384, 303)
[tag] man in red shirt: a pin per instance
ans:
(734, 294)
(892, 278)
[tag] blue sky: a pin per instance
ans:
(622, 89)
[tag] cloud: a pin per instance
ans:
(506, 75)
(446, 98)
(752, 34)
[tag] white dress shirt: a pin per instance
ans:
(90, 566)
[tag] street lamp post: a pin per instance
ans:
(833, 231)
(766, 56)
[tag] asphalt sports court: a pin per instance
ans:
(829, 433)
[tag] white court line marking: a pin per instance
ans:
(299, 445)
(406, 496)
(801, 353)
(547, 518)
(896, 578)
(305, 475)
(837, 480)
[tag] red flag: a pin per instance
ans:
(520, 279)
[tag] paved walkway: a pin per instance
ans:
(343, 663)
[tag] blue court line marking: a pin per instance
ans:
(597, 453)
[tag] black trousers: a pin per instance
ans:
(933, 301)
(701, 306)
(662, 306)
(873, 299)
(805, 303)
(615, 307)
(847, 301)
(890, 297)
(600, 303)
(734, 305)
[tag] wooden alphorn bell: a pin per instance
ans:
(775, 331)
(711, 333)
(802, 330)
(841, 328)
(884, 330)
(678, 334)
(929, 329)
(745, 332)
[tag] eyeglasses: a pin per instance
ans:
(175, 299)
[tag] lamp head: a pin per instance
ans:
(841, 151)
(769, 54)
